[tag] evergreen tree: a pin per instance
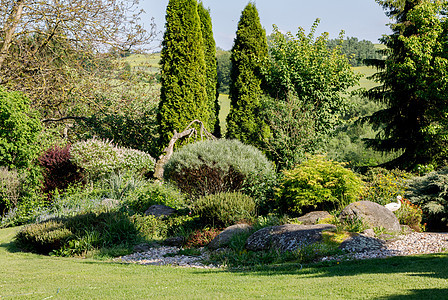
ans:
(211, 69)
(183, 71)
(414, 85)
(248, 51)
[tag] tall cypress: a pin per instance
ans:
(211, 68)
(249, 50)
(183, 71)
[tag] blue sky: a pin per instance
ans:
(363, 19)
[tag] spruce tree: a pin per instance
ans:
(211, 69)
(249, 50)
(414, 85)
(183, 71)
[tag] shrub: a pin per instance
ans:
(43, 237)
(201, 238)
(411, 215)
(154, 193)
(59, 170)
(210, 167)
(225, 209)
(318, 183)
(99, 158)
(19, 130)
(383, 186)
(430, 192)
(10, 185)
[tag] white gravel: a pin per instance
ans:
(410, 244)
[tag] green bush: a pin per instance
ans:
(318, 183)
(19, 130)
(430, 192)
(213, 166)
(152, 193)
(10, 185)
(225, 209)
(99, 158)
(383, 186)
(43, 237)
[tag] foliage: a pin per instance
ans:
(414, 88)
(56, 61)
(411, 215)
(356, 51)
(318, 183)
(152, 193)
(304, 67)
(223, 68)
(430, 192)
(183, 71)
(383, 186)
(211, 68)
(59, 170)
(19, 129)
(213, 166)
(262, 189)
(10, 189)
(248, 51)
(99, 158)
(225, 209)
(201, 237)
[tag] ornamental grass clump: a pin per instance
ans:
(213, 166)
(318, 183)
(99, 158)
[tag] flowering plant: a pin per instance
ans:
(411, 215)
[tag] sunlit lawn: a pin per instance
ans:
(30, 276)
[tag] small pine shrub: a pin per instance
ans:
(210, 167)
(99, 158)
(43, 237)
(318, 183)
(383, 186)
(59, 171)
(430, 192)
(201, 238)
(225, 209)
(152, 193)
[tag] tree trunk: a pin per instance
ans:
(10, 27)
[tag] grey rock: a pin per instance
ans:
(159, 210)
(369, 233)
(223, 239)
(361, 243)
(110, 203)
(176, 241)
(288, 237)
(142, 248)
(373, 214)
(314, 217)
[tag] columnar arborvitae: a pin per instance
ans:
(211, 68)
(183, 72)
(249, 50)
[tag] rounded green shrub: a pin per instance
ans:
(213, 166)
(99, 158)
(225, 209)
(318, 183)
(153, 193)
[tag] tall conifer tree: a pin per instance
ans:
(249, 49)
(414, 84)
(211, 68)
(183, 71)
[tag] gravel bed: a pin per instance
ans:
(410, 244)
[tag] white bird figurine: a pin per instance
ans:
(394, 206)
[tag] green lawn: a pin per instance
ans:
(30, 276)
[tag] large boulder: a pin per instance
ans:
(288, 237)
(223, 239)
(373, 214)
(159, 210)
(314, 217)
(361, 243)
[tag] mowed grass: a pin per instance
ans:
(30, 276)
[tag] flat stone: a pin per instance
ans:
(159, 210)
(223, 239)
(312, 218)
